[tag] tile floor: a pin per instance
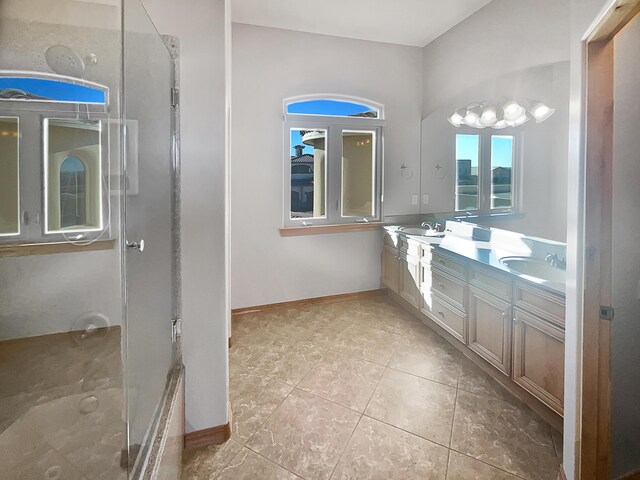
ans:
(363, 390)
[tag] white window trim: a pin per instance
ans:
(334, 126)
(484, 175)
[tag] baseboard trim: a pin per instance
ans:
(208, 436)
(342, 297)
(631, 476)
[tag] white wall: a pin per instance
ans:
(200, 28)
(625, 354)
(268, 66)
(506, 49)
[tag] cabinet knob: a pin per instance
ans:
(441, 314)
(441, 285)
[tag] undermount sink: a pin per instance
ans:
(534, 267)
(424, 232)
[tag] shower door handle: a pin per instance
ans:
(136, 245)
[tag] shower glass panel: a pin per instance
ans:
(148, 79)
(86, 166)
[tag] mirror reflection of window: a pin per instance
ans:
(9, 182)
(73, 205)
(73, 173)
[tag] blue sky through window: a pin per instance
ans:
(327, 107)
(54, 89)
(501, 149)
(296, 139)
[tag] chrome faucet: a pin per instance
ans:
(555, 261)
(427, 225)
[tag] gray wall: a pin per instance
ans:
(625, 354)
(200, 28)
(270, 65)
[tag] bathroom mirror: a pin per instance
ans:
(9, 177)
(72, 174)
(512, 177)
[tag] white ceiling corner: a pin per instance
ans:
(403, 22)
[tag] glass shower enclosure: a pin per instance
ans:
(89, 237)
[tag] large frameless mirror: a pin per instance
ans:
(72, 173)
(9, 178)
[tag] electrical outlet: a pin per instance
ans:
(425, 199)
(414, 199)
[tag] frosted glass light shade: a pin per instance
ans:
(489, 116)
(512, 111)
(540, 111)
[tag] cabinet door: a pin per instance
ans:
(490, 328)
(538, 358)
(390, 268)
(409, 280)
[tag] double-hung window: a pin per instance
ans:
(486, 178)
(333, 161)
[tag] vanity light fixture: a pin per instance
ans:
(499, 115)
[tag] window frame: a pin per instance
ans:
(484, 171)
(13, 235)
(334, 126)
(333, 168)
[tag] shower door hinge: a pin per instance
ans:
(176, 329)
(175, 97)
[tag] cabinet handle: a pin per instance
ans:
(442, 262)
(505, 315)
(441, 285)
(441, 314)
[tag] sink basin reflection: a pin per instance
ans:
(534, 267)
(425, 232)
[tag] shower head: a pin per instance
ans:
(64, 61)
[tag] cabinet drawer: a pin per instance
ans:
(449, 318)
(491, 281)
(540, 302)
(449, 265)
(451, 290)
(409, 246)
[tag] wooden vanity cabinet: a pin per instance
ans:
(390, 267)
(409, 279)
(538, 344)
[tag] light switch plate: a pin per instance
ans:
(414, 199)
(425, 199)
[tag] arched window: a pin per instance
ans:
(73, 192)
(338, 140)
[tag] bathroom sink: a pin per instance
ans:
(424, 232)
(534, 267)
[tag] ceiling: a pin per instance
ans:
(403, 22)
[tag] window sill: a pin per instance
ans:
(28, 249)
(325, 229)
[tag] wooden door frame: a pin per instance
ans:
(594, 458)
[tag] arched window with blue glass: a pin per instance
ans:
(333, 160)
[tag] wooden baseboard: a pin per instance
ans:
(208, 436)
(342, 297)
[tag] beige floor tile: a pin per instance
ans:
(462, 467)
(504, 433)
(428, 357)
(288, 363)
(414, 404)
(253, 398)
(473, 379)
(247, 465)
(305, 435)
(205, 463)
(342, 379)
(367, 343)
(378, 451)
